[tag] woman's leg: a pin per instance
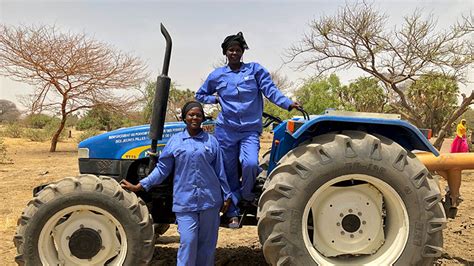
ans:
(228, 142)
(249, 147)
(208, 231)
(188, 228)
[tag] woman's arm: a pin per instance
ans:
(269, 89)
(206, 91)
(163, 168)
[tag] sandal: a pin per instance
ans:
(455, 201)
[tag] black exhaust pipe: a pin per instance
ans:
(160, 102)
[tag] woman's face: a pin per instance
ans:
(194, 118)
(234, 54)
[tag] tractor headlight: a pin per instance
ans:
(83, 153)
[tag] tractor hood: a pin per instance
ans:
(125, 143)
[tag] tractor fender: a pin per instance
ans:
(400, 131)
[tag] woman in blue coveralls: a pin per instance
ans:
(239, 87)
(200, 187)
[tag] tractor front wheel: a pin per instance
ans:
(85, 220)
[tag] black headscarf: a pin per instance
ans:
(234, 39)
(188, 106)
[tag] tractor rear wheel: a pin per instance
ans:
(350, 198)
(85, 220)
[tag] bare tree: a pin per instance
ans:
(359, 36)
(70, 71)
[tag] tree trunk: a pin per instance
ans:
(54, 140)
(439, 140)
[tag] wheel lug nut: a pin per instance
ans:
(350, 210)
(81, 226)
(342, 233)
(68, 237)
(359, 213)
(102, 247)
(364, 222)
(99, 231)
(338, 224)
(342, 215)
(360, 231)
(352, 236)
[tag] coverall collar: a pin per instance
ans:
(187, 136)
(244, 66)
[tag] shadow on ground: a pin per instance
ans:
(224, 256)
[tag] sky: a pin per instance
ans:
(199, 27)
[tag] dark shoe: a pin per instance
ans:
(234, 223)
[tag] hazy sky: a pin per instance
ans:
(199, 27)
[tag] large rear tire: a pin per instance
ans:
(85, 220)
(350, 198)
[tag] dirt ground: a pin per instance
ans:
(34, 165)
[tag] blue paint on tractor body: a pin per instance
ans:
(400, 131)
(132, 143)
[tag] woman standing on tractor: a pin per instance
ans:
(199, 186)
(239, 87)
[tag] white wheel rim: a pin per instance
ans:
(53, 242)
(395, 233)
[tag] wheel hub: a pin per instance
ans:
(82, 235)
(348, 220)
(85, 243)
(351, 223)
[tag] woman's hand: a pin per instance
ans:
(129, 186)
(226, 205)
(294, 105)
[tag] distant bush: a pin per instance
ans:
(87, 134)
(4, 159)
(39, 120)
(87, 123)
(13, 131)
(38, 135)
(8, 112)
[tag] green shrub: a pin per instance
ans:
(13, 131)
(37, 135)
(4, 159)
(39, 120)
(87, 134)
(87, 123)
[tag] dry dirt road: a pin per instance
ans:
(34, 165)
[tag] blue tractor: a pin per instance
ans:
(337, 188)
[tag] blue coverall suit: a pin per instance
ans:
(199, 187)
(239, 124)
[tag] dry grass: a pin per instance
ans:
(32, 165)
